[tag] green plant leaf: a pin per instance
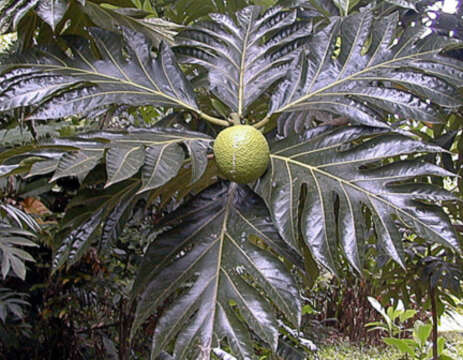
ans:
(408, 4)
(163, 163)
(157, 151)
(209, 253)
(380, 309)
(421, 332)
(327, 163)
(246, 57)
(187, 11)
(13, 236)
(288, 352)
(123, 161)
(407, 314)
(12, 12)
(77, 242)
(403, 345)
(77, 163)
(94, 216)
(43, 167)
(155, 29)
(64, 85)
(52, 11)
(373, 74)
(12, 302)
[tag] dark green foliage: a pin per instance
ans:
(341, 91)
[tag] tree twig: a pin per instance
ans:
(97, 327)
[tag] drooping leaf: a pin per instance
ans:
(246, 57)
(162, 164)
(7, 169)
(157, 151)
(155, 29)
(12, 11)
(75, 243)
(288, 352)
(118, 216)
(123, 161)
(94, 217)
(14, 236)
(372, 74)
(12, 302)
(127, 73)
(408, 4)
(52, 11)
(187, 11)
(332, 169)
(19, 136)
(210, 255)
(78, 163)
(43, 167)
(159, 154)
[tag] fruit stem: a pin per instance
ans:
(262, 123)
(213, 120)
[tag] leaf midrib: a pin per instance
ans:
(242, 69)
(350, 77)
(221, 240)
(115, 79)
(356, 187)
(275, 290)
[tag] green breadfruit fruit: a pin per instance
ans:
(242, 153)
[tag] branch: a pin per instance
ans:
(97, 327)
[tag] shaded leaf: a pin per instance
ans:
(52, 11)
(77, 163)
(123, 161)
(13, 236)
(287, 352)
(155, 29)
(158, 151)
(74, 245)
(209, 254)
(12, 11)
(162, 164)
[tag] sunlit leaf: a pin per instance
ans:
(246, 57)
(373, 74)
(128, 73)
(331, 168)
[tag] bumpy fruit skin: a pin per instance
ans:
(242, 153)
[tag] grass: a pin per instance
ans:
(347, 351)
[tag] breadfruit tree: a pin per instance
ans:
(335, 89)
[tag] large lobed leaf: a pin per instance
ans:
(339, 166)
(219, 282)
(17, 230)
(126, 73)
(159, 154)
(365, 69)
(244, 58)
(154, 29)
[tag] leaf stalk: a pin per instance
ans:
(214, 120)
(262, 123)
